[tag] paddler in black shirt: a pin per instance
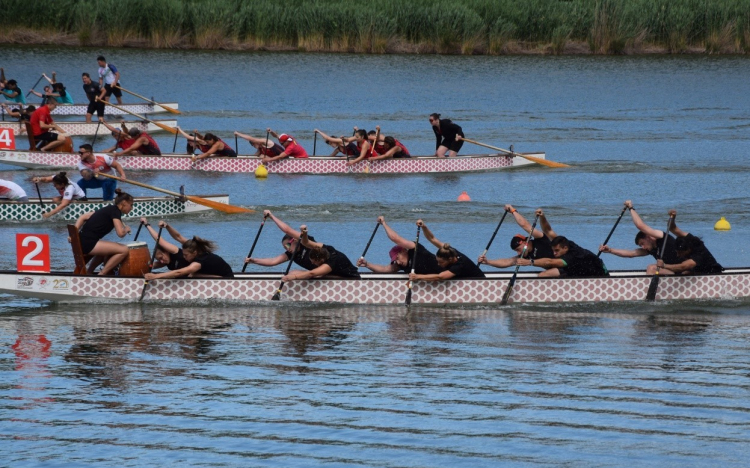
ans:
(289, 242)
(202, 262)
(649, 241)
(94, 225)
(92, 91)
(328, 261)
(167, 254)
(539, 246)
(570, 260)
(693, 258)
(402, 254)
(453, 263)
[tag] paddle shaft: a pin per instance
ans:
(174, 146)
(277, 295)
(367, 247)
(138, 231)
(512, 281)
(543, 162)
(96, 134)
(250, 254)
(315, 142)
(494, 234)
(166, 108)
(613, 229)
(160, 125)
(413, 264)
(39, 194)
(37, 82)
(653, 287)
(151, 263)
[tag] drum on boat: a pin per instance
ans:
(136, 264)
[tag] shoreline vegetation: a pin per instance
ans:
(468, 27)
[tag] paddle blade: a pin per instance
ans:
(224, 208)
(169, 109)
(167, 128)
(408, 297)
(652, 288)
(277, 295)
(543, 162)
(508, 292)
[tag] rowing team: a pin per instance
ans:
(682, 253)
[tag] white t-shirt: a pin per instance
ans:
(11, 190)
(72, 192)
(102, 164)
(107, 74)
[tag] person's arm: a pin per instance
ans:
(163, 243)
(52, 80)
(196, 139)
(442, 276)
(134, 147)
(250, 138)
(215, 148)
(173, 232)
(35, 93)
(390, 268)
(673, 227)
(497, 263)
(120, 228)
(61, 206)
(429, 235)
(109, 127)
(522, 222)
(46, 179)
(275, 158)
(268, 262)
(546, 227)
(640, 225)
(285, 228)
(623, 252)
(678, 268)
(305, 241)
(545, 263)
(437, 136)
(273, 134)
(82, 219)
(191, 269)
(322, 270)
(111, 149)
(329, 139)
(394, 237)
(388, 154)
(362, 154)
(117, 78)
(118, 167)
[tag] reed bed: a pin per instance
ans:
(384, 26)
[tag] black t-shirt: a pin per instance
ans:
(426, 262)
(705, 263)
(340, 264)
(465, 268)
(582, 262)
(446, 132)
(92, 91)
(101, 222)
(212, 264)
(303, 256)
(670, 254)
(177, 261)
(542, 248)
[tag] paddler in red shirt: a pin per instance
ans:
(41, 124)
(291, 148)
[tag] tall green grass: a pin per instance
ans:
(444, 26)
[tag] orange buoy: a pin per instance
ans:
(464, 196)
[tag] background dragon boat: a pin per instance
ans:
(621, 286)
(80, 109)
(312, 165)
(85, 129)
(142, 206)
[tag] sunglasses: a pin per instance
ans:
(83, 152)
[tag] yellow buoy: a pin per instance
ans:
(722, 225)
(261, 172)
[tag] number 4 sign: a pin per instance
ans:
(32, 253)
(7, 139)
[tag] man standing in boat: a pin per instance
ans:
(402, 256)
(538, 247)
(692, 255)
(109, 79)
(445, 136)
(289, 242)
(571, 260)
(649, 242)
(91, 165)
(92, 91)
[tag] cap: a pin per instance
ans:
(516, 240)
(284, 138)
(395, 251)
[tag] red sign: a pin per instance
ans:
(7, 139)
(32, 252)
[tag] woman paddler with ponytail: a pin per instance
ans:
(202, 262)
(328, 261)
(454, 263)
(69, 191)
(94, 225)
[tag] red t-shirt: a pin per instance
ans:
(295, 151)
(40, 115)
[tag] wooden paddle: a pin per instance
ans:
(613, 229)
(494, 234)
(654, 285)
(277, 295)
(167, 128)
(151, 263)
(413, 264)
(250, 254)
(224, 208)
(166, 108)
(543, 162)
(512, 282)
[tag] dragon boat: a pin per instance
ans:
(140, 108)
(86, 129)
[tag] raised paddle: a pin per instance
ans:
(151, 263)
(250, 254)
(166, 108)
(167, 128)
(224, 208)
(613, 229)
(654, 285)
(367, 247)
(512, 282)
(138, 232)
(277, 295)
(37, 82)
(494, 234)
(543, 162)
(413, 264)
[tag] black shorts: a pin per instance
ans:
(46, 137)
(110, 91)
(453, 145)
(87, 244)
(97, 107)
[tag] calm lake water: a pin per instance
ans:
(222, 385)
